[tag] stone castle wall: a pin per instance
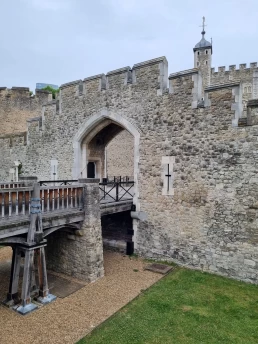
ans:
(12, 147)
(208, 218)
(247, 76)
(17, 105)
(120, 155)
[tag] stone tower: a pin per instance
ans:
(202, 57)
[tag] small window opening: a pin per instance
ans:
(197, 64)
(206, 62)
(206, 52)
(198, 53)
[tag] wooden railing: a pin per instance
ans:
(11, 185)
(16, 202)
(54, 198)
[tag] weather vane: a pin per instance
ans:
(203, 24)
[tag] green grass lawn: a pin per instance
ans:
(185, 307)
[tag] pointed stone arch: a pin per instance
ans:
(91, 127)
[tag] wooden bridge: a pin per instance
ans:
(60, 205)
(29, 213)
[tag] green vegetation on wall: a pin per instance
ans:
(52, 90)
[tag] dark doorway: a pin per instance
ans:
(91, 169)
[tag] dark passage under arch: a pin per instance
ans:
(91, 169)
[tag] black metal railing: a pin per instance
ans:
(111, 179)
(116, 191)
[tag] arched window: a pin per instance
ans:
(249, 89)
(198, 53)
(206, 52)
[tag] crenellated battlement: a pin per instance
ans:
(17, 104)
(24, 92)
(241, 67)
(154, 73)
(241, 74)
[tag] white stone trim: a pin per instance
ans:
(255, 85)
(238, 105)
(167, 190)
(54, 169)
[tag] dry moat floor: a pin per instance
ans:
(70, 318)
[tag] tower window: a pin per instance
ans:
(198, 53)
(197, 64)
(206, 51)
(206, 62)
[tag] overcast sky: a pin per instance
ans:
(57, 41)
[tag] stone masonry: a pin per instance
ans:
(120, 155)
(80, 254)
(195, 157)
(17, 105)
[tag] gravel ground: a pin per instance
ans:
(67, 320)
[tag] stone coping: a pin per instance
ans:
(116, 71)
(94, 77)
(220, 86)
(183, 73)
(20, 88)
(34, 119)
(150, 62)
(72, 83)
(119, 71)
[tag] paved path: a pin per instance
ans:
(67, 320)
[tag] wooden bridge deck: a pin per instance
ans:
(19, 225)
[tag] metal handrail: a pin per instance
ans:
(115, 186)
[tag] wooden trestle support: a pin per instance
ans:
(34, 252)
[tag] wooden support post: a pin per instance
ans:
(42, 271)
(34, 213)
(33, 284)
(44, 295)
(26, 305)
(26, 283)
(12, 296)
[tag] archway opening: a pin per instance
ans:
(112, 142)
(110, 157)
(108, 153)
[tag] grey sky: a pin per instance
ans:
(58, 41)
